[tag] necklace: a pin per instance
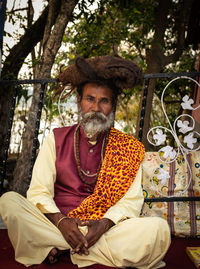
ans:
(81, 172)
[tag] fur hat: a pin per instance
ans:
(123, 74)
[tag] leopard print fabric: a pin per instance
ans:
(123, 157)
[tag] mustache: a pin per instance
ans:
(95, 116)
(95, 122)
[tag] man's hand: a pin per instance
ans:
(71, 233)
(96, 228)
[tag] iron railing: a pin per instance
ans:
(44, 83)
(15, 83)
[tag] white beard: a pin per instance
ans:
(95, 122)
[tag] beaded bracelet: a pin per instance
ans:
(65, 217)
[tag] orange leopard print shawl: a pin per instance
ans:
(123, 156)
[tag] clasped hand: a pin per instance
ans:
(80, 243)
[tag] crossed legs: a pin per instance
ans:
(138, 242)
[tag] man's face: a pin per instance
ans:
(95, 109)
(96, 99)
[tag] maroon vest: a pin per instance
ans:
(70, 191)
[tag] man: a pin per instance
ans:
(85, 194)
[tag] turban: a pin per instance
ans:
(122, 73)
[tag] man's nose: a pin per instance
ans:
(95, 106)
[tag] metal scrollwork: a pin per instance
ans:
(168, 154)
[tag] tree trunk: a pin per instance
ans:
(51, 44)
(14, 62)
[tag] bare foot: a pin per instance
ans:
(54, 255)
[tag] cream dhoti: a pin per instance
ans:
(135, 242)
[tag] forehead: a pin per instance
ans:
(97, 91)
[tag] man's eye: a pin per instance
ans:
(104, 101)
(89, 98)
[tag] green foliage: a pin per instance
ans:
(112, 27)
(115, 25)
(126, 28)
(123, 28)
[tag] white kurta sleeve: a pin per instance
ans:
(130, 205)
(41, 190)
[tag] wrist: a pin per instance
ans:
(60, 220)
(107, 223)
(54, 217)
